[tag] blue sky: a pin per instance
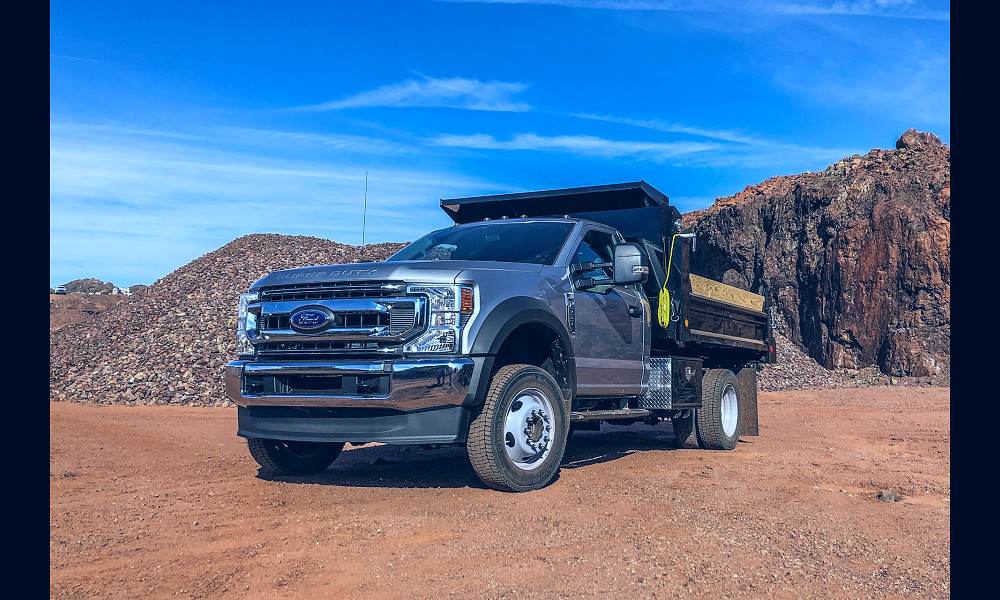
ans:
(176, 128)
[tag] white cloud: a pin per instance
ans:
(917, 90)
(897, 9)
(719, 153)
(456, 92)
(721, 135)
(130, 208)
(577, 144)
(726, 135)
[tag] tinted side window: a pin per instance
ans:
(596, 247)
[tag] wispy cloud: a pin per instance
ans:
(726, 135)
(722, 135)
(74, 58)
(131, 207)
(917, 89)
(896, 9)
(586, 145)
(454, 92)
(342, 142)
(893, 9)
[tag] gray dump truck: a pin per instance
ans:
(536, 314)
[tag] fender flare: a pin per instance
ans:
(511, 314)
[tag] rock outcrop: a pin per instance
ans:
(856, 260)
(89, 286)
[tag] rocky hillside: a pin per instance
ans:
(168, 345)
(856, 259)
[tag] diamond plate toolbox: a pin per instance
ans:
(657, 394)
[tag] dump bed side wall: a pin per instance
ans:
(724, 324)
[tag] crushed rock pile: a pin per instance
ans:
(796, 370)
(169, 345)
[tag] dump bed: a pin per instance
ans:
(692, 315)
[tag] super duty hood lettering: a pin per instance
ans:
(301, 275)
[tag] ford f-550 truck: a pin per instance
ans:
(535, 314)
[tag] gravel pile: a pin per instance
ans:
(796, 370)
(169, 344)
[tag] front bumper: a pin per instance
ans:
(405, 385)
(418, 402)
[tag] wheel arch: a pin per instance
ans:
(524, 330)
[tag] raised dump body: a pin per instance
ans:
(695, 316)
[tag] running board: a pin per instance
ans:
(621, 413)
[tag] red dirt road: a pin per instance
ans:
(165, 502)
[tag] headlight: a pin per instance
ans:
(449, 309)
(245, 321)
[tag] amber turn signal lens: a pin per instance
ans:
(466, 300)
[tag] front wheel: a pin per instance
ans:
(517, 440)
(719, 418)
(294, 458)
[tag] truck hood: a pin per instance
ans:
(409, 271)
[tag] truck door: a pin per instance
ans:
(609, 325)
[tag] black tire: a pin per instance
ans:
(490, 447)
(720, 397)
(294, 458)
(684, 431)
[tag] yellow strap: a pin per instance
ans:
(663, 310)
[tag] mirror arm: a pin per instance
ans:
(583, 267)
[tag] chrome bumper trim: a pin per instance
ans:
(415, 384)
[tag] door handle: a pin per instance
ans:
(635, 311)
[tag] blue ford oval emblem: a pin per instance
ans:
(310, 320)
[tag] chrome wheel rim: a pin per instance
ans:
(730, 411)
(528, 429)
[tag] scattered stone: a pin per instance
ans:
(889, 496)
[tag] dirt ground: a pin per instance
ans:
(165, 502)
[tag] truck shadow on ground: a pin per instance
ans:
(395, 466)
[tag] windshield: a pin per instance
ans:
(527, 242)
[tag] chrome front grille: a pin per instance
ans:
(330, 291)
(353, 324)
(352, 320)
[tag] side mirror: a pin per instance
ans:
(630, 263)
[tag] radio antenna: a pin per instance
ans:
(364, 213)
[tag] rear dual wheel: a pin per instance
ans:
(719, 419)
(718, 423)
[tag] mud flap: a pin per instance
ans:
(747, 379)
